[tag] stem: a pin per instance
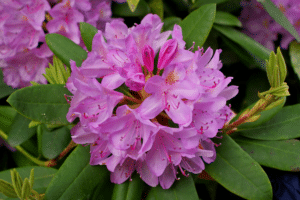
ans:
(133, 99)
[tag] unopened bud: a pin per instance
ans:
(148, 58)
(167, 53)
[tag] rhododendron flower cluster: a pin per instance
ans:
(147, 104)
(259, 25)
(24, 54)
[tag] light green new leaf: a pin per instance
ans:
(76, 178)
(54, 142)
(42, 176)
(253, 47)
(197, 25)
(42, 103)
(20, 132)
(183, 189)
(238, 172)
(295, 57)
(282, 155)
(133, 4)
(279, 17)
(65, 49)
(124, 11)
(284, 125)
(225, 18)
(87, 32)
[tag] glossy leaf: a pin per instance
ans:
(225, 18)
(54, 142)
(76, 178)
(5, 90)
(238, 172)
(42, 103)
(295, 57)
(282, 155)
(284, 125)
(279, 17)
(253, 47)
(199, 3)
(42, 175)
(157, 7)
(169, 23)
(20, 132)
(87, 33)
(130, 190)
(65, 49)
(7, 115)
(103, 190)
(124, 11)
(197, 25)
(183, 189)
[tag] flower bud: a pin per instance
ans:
(148, 58)
(167, 53)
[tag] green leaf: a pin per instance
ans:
(253, 47)
(183, 189)
(65, 49)
(76, 178)
(157, 7)
(133, 4)
(5, 90)
(7, 115)
(197, 25)
(26, 189)
(199, 3)
(57, 73)
(87, 32)
(225, 18)
(7, 189)
(279, 17)
(282, 155)
(124, 11)
(103, 190)
(20, 132)
(169, 23)
(130, 190)
(295, 57)
(284, 125)
(238, 172)
(42, 103)
(54, 142)
(42, 175)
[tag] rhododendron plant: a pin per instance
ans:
(131, 131)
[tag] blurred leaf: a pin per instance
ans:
(250, 181)
(295, 57)
(42, 175)
(130, 190)
(253, 47)
(87, 33)
(199, 3)
(5, 90)
(65, 49)
(197, 25)
(76, 178)
(169, 23)
(42, 103)
(284, 125)
(282, 155)
(183, 189)
(157, 7)
(124, 11)
(20, 132)
(54, 142)
(225, 18)
(279, 17)
(133, 4)
(7, 115)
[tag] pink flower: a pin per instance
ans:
(259, 25)
(131, 131)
